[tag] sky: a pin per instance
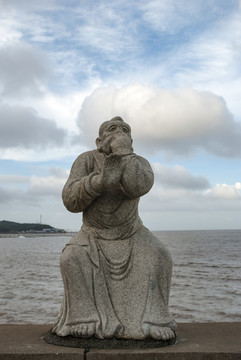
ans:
(171, 69)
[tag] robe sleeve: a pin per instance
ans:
(137, 177)
(78, 192)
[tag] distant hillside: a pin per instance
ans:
(14, 227)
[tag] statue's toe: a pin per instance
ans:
(83, 330)
(161, 333)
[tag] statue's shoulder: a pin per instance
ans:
(85, 156)
(83, 161)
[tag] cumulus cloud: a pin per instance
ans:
(225, 192)
(11, 194)
(25, 198)
(7, 32)
(46, 186)
(185, 197)
(35, 188)
(58, 172)
(218, 198)
(11, 5)
(23, 69)
(14, 179)
(178, 177)
(176, 190)
(179, 122)
(62, 108)
(22, 127)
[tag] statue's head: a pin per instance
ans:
(116, 127)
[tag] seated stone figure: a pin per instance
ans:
(116, 273)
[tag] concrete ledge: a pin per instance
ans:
(211, 341)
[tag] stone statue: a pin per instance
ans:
(116, 273)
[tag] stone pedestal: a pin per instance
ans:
(93, 343)
(212, 341)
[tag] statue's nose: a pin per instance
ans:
(119, 130)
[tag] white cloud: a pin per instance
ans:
(14, 179)
(179, 122)
(62, 108)
(51, 153)
(23, 70)
(11, 194)
(7, 32)
(48, 186)
(58, 173)
(176, 190)
(208, 60)
(167, 43)
(170, 16)
(24, 198)
(225, 192)
(37, 189)
(109, 28)
(13, 5)
(215, 200)
(186, 200)
(212, 53)
(178, 177)
(22, 127)
(107, 40)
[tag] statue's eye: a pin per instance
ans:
(112, 128)
(125, 129)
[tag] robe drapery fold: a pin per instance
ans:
(116, 273)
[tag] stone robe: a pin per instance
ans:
(116, 273)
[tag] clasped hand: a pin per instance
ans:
(110, 175)
(112, 171)
(113, 166)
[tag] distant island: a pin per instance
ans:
(10, 227)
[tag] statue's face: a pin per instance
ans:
(111, 131)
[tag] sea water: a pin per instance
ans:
(206, 282)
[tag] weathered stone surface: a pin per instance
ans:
(20, 342)
(116, 273)
(211, 341)
(113, 343)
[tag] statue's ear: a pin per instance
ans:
(131, 145)
(99, 144)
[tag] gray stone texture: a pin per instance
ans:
(113, 343)
(116, 273)
(211, 341)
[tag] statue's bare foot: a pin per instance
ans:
(161, 333)
(83, 330)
